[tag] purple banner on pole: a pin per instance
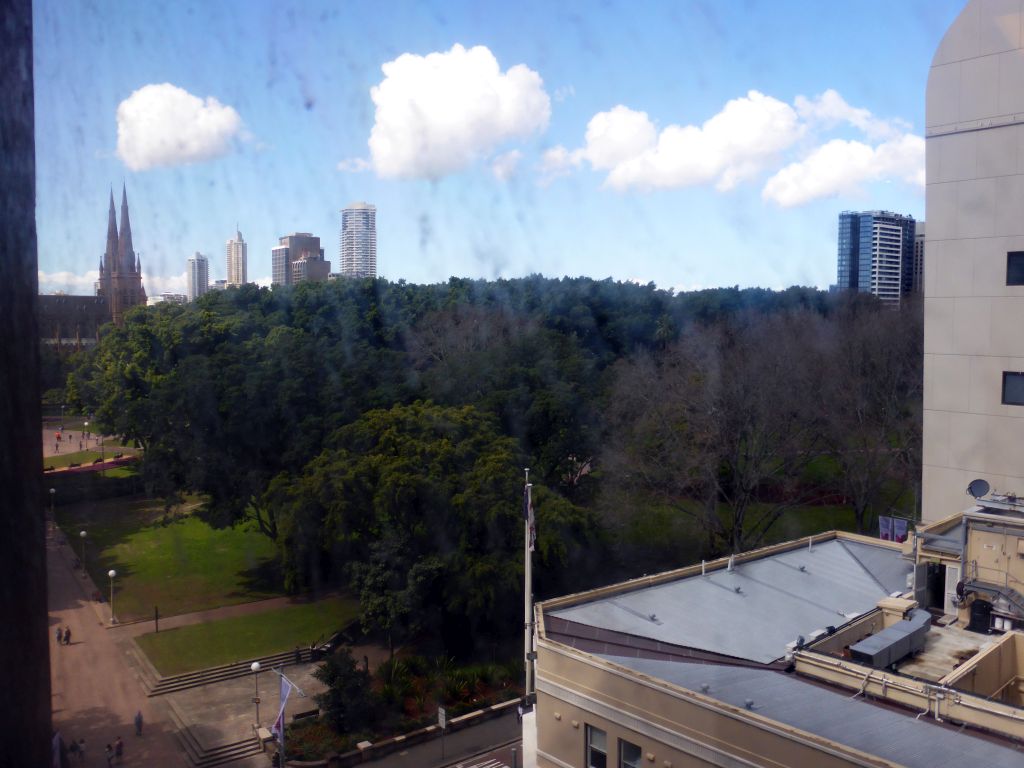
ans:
(899, 529)
(885, 528)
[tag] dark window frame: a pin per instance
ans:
(1009, 376)
(1015, 267)
(622, 756)
(590, 749)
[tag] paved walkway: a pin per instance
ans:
(95, 691)
(52, 448)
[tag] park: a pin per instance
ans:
(192, 608)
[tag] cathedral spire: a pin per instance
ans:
(110, 255)
(125, 252)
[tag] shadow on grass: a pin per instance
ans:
(111, 526)
(266, 577)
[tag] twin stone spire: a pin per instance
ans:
(120, 270)
(119, 257)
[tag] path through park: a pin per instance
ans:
(94, 687)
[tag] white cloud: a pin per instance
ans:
(842, 167)
(750, 136)
(355, 165)
(830, 109)
(564, 92)
(505, 165)
(68, 282)
(157, 284)
(163, 125)
(617, 136)
(558, 161)
(439, 113)
(730, 147)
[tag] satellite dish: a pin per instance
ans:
(978, 488)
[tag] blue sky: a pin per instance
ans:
(689, 143)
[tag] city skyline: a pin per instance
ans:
(688, 144)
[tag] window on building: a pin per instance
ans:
(597, 748)
(629, 755)
(1013, 388)
(1015, 268)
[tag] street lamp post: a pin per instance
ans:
(255, 667)
(112, 573)
(53, 492)
(62, 417)
(82, 535)
(87, 435)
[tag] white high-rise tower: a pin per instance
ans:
(359, 240)
(238, 258)
(198, 276)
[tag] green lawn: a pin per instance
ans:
(78, 457)
(246, 637)
(172, 560)
(86, 457)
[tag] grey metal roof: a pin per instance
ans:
(776, 602)
(951, 542)
(885, 732)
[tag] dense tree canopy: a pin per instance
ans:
(377, 430)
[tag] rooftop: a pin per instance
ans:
(876, 730)
(750, 612)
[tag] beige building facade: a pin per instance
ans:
(974, 280)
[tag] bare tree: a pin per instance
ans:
(871, 395)
(722, 425)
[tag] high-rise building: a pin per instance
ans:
(298, 257)
(120, 269)
(973, 418)
(358, 240)
(876, 254)
(918, 282)
(198, 276)
(238, 259)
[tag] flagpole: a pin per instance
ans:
(528, 655)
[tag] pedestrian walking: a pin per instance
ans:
(110, 755)
(138, 723)
(118, 749)
(60, 635)
(67, 636)
(81, 750)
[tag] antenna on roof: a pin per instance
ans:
(978, 488)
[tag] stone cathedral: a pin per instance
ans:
(120, 280)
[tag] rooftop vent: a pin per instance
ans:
(749, 703)
(704, 687)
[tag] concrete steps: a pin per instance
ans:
(186, 680)
(204, 757)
